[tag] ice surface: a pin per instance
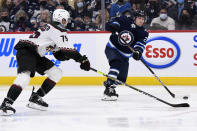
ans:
(79, 108)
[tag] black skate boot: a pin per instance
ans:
(110, 93)
(36, 102)
(6, 109)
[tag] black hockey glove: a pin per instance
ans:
(137, 55)
(85, 64)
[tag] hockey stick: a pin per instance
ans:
(143, 92)
(132, 50)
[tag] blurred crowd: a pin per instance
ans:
(86, 15)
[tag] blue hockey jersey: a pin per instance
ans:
(134, 35)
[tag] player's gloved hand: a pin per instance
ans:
(85, 64)
(137, 55)
(114, 28)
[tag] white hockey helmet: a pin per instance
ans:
(60, 14)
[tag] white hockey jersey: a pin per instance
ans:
(49, 38)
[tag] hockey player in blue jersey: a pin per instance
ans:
(118, 54)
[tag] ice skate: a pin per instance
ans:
(110, 94)
(36, 102)
(6, 109)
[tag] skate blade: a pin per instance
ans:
(108, 98)
(36, 106)
(8, 113)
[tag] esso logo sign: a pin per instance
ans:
(161, 52)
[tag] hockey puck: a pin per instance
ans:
(185, 97)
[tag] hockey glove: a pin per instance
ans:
(137, 55)
(85, 64)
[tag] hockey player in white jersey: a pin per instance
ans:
(31, 58)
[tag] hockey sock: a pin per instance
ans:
(47, 85)
(14, 92)
(113, 72)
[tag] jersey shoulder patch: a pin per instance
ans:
(46, 27)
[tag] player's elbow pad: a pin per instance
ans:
(113, 27)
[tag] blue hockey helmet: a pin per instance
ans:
(139, 13)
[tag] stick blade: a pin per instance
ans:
(181, 105)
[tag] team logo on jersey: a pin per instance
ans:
(127, 36)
